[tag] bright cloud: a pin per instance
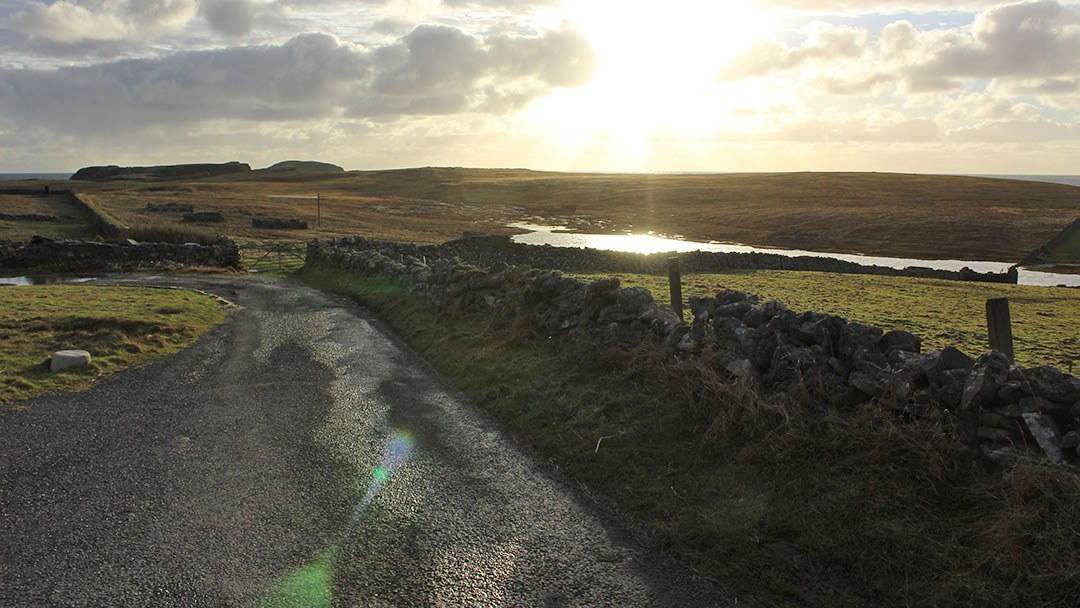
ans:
(562, 84)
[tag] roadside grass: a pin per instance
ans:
(120, 327)
(1045, 320)
(781, 502)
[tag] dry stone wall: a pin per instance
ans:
(1003, 411)
(486, 249)
(59, 254)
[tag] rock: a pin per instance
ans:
(1046, 433)
(1071, 440)
(740, 368)
(855, 337)
(996, 420)
(1038, 404)
(952, 358)
(986, 378)
(701, 307)
(64, 359)
(901, 340)
(993, 434)
(634, 299)
(868, 383)
(1053, 384)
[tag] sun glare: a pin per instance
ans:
(656, 71)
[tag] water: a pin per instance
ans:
(43, 280)
(293, 196)
(1069, 180)
(548, 235)
(20, 176)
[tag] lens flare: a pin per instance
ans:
(311, 586)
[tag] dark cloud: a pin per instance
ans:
(229, 17)
(432, 70)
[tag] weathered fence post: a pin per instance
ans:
(999, 326)
(675, 281)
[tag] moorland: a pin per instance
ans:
(905, 215)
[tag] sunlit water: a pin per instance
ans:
(638, 243)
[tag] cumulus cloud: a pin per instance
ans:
(433, 70)
(825, 43)
(1028, 40)
(876, 6)
(72, 22)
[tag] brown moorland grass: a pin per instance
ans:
(921, 216)
(73, 224)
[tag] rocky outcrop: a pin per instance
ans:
(1003, 411)
(57, 254)
(309, 166)
(162, 172)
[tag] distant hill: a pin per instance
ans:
(161, 172)
(302, 165)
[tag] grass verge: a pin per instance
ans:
(119, 326)
(783, 503)
(1046, 320)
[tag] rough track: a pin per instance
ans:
(207, 478)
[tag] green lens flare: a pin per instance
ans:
(380, 475)
(308, 587)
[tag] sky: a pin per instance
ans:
(929, 86)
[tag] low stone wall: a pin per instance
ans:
(1045, 250)
(490, 248)
(56, 254)
(1004, 411)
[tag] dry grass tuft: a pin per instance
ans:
(1034, 537)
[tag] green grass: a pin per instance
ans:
(1046, 320)
(781, 503)
(119, 326)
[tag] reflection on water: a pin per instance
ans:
(43, 280)
(638, 243)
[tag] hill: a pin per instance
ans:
(162, 172)
(302, 165)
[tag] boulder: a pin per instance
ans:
(901, 340)
(65, 359)
(1051, 383)
(1046, 433)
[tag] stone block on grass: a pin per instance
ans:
(64, 359)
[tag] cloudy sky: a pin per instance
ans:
(937, 86)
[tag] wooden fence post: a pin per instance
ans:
(999, 326)
(675, 282)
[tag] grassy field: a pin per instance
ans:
(119, 326)
(1046, 320)
(780, 503)
(72, 225)
(921, 216)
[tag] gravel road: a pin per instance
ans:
(298, 448)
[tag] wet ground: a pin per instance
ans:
(298, 455)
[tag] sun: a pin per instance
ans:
(656, 71)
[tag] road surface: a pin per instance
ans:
(298, 455)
